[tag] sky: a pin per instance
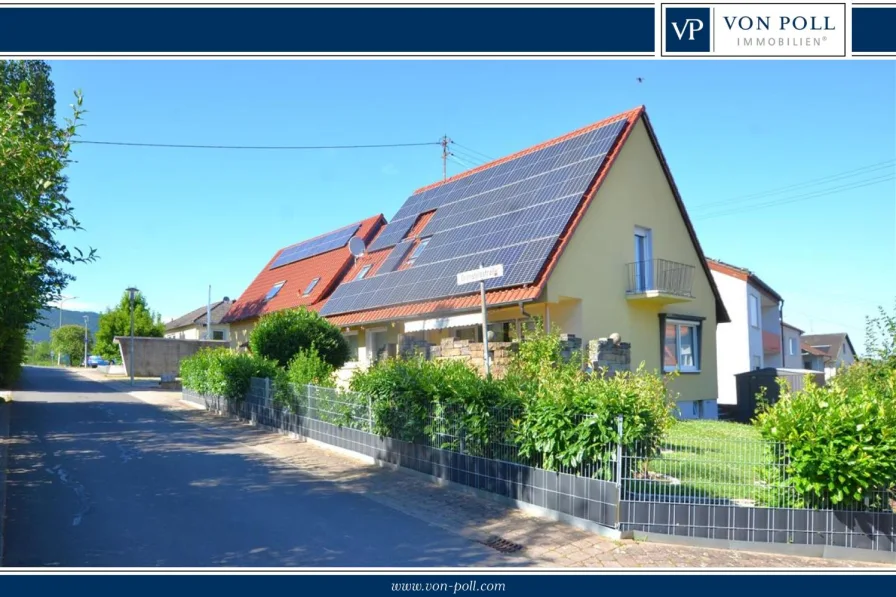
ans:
(785, 167)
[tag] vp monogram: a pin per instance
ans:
(691, 26)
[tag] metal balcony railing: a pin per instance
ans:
(660, 276)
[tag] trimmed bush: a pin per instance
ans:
(281, 335)
(307, 367)
(222, 372)
(840, 439)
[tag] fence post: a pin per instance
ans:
(308, 394)
(619, 451)
(267, 390)
(619, 469)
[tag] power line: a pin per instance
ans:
(473, 151)
(470, 158)
(460, 161)
(265, 147)
(810, 183)
(786, 200)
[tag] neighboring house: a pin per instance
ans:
(831, 351)
(192, 326)
(755, 336)
(593, 237)
(793, 350)
(302, 274)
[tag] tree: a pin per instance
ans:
(39, 352)
(117, 322)
(880, 337)
(281, 335)
(69, 341)
(34, 209)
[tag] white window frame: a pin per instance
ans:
(754, 316)
(680, 323)
(354, 333)
(791, 346)
(311, 286)
(218, 332)
(643, 267)
(418, 249)
(363, 271)
(275, 289)
(368, 343)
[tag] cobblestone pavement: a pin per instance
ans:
(546, 543)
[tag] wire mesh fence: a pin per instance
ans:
(728, 471)
(682, 470)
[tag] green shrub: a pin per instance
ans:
(307, 367)
(12, 353)
(572, 423)
(281, 335)
(222, 372)
(839, 440)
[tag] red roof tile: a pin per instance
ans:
(330, 267)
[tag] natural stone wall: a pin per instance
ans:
(411, 347)
(570, 345)
(610, 354)
(473, 353)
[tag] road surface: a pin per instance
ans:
(100, 478)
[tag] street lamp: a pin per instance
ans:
(85, 340)
(61, 300)
(132, 292)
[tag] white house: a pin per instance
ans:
(755, 336)
(192, 326)
(829, 351)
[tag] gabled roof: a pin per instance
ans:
(199, 316)
(525, 292)
(829, 344)
(329, 267)
(743, 274)
(812, 350)
(793, 327)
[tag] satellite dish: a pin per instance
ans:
(356, 246)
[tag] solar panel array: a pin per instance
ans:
(511, 213)
(395, 257)
(316, 246)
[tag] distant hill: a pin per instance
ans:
(49, 320)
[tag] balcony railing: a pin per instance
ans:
(659, 277)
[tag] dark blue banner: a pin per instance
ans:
(464, 584)
(462, 29)
(874, 29)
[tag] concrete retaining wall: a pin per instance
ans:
(154, 357)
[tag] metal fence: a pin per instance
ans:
(732, 489)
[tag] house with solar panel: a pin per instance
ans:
(303, 274)
(593, 238)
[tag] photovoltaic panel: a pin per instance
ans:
(512, 213)
(315, 246)
(395, 257)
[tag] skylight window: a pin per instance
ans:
(311, 286)
(363, 272)
(418, 251)
(274, 290)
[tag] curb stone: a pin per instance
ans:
(5, 410)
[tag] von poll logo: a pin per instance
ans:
(688, 29)
(754, 30)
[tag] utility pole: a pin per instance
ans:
(208, 315)
(85, 341)
(445, 141)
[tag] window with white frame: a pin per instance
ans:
(681, 346)
(754, 311)
(791, 346)
(352, 339)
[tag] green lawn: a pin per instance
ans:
(711, 459)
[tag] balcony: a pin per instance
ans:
(659, 281)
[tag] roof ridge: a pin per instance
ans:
(626, 115)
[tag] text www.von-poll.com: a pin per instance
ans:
(471, 586)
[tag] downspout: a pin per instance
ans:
(781, 315)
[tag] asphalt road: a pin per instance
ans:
(100, 478)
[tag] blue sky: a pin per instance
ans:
(738, 135)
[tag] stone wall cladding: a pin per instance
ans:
(610, 355)
(473, 354)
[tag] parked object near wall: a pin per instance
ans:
(751, 383)
(155, 357)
